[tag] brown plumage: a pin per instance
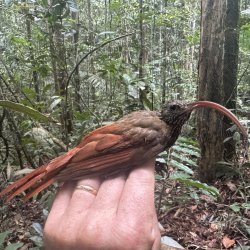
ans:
(120, 146)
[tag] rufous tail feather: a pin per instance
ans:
(45, 174)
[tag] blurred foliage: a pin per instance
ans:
(34, 37)
(182, 157)
(42, 41)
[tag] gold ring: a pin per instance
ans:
(87, 189)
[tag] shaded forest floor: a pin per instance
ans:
(203, 222)
(192, 218)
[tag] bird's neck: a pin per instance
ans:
(173, 135)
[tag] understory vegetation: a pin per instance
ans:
(68, 67)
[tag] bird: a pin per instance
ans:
(116, 147)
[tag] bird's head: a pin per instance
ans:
(176, 113)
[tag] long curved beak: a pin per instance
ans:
(221, 109)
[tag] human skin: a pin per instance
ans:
(121, 215)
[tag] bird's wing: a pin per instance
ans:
(108, 153)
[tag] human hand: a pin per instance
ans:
(121, 216)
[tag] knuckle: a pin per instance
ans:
(137, 237)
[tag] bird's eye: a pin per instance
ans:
(174, 107)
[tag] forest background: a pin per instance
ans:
(67, 67)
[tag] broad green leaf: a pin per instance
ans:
(25, 110)
(14, 246)
(3, 235)
(29, 92)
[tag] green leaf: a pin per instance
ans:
(181, 166)
(38, 240)
(245, 227)
(227, 139)
(233, 128)
(146, 102)
(43, 69)
(236, 136)
(73, 5)
(14, 246)
(25, 110)
(163, 154)
(47, 87)
(3, 235)
(179, 175)
(212, 190)
(126, 78)
(104, 33)
(246, 205)
(189, 142)
(28, 91)
(246, 165)
(37, 226)
(161, 160)
(186, 150)
(55, 103)
(82, 115)
(235, 207)
(19, 40)
(184, 159)
(241, 248)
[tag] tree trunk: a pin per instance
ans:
(164, 65)
(77, 82)
(32, 57)
(230, 69)
(59, 65)
(142, 57)
(213, 67)
(91, 41)
(62, 76)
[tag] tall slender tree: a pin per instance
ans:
(216, 60)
